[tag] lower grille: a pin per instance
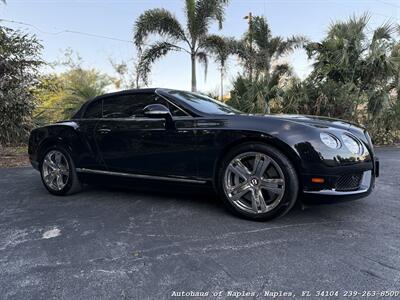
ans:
(349, 182)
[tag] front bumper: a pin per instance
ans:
(366, 183)
(334, 188)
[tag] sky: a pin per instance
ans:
(51, 19)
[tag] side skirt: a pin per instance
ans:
(142, 176)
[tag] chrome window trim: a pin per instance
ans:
(142, 176)
(135, 119)
(126, 119)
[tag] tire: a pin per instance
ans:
(69, 177)
(268, 176)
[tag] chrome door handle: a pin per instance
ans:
(104, 130)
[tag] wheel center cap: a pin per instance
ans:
(254, 181)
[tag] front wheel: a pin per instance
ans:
(58, 172)
(258, 182)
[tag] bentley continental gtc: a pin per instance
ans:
(258, 164)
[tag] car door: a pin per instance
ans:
(130, 142)
(87, 156)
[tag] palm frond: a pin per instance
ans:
(220, 47)
(261, 33)
(277, 73)
(290, 44)
(383, 32)
(205, 12)
(352, 29)
(151, 54)
(203, 59)
(276, 46)
(241, 49)
(190, 11)
(157, 21)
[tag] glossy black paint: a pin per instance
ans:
(192, 146)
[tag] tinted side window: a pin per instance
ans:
(128, 106)
(175, 111)
(94, 110)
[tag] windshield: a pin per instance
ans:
(203, 103)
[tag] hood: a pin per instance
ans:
(316, 121)
(325, 123)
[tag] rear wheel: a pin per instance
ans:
(58, 172)
(258, 182)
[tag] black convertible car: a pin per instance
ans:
(259, 164)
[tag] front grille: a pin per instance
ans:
(349, 182)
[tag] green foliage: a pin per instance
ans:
(259, 86)
(62, 94)
(257, 96)
(355, 77)
(19, 62)
(158, 21)
(47, 92)
(259, 49)
(81, 85)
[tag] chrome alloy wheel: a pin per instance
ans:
(55, 170)
(254, 182)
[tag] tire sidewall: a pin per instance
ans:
(291, 181)
(71, 171)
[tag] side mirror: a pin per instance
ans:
(156, 111)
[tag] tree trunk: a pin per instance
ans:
(267, 108)
(222, 84)
(193, 59)
(137, 81)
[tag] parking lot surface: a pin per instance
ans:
(112, 243)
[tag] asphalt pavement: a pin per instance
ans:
(112, 243)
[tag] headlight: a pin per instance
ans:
(330, 140)
(352, 144)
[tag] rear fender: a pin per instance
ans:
(64, 136)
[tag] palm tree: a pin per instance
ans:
(349, 57)
(259, 49)
(259, 52)
(221, 48)
(199, 15)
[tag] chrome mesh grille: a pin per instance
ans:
(349, 182)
